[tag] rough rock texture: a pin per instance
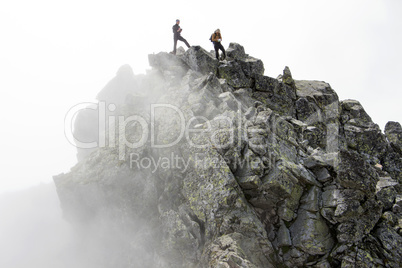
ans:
(393, 131)
(213, 164)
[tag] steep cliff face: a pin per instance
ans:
(213, 164)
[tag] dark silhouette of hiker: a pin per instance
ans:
(177, 36)
(217, 39)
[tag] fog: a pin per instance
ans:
(33, 232)
(56, 56)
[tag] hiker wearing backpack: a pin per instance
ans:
(217, 39)
(177, 36)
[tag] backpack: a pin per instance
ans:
(210, 39)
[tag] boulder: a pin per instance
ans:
(361, 133)
(199, 60)
(393, 131)
(311, 234)
(386, 192)
(233, 73)
(287, 77)
(236, 51)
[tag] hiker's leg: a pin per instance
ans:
(223, 51)
(187, 44)
(185, 41)
(216, 47)
(174, 45)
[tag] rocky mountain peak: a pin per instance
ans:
(207, 163)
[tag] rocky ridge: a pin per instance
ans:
(214, 164)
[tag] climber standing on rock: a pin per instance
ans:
(177, 36)
(217, 39)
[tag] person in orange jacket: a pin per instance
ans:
(217, 39)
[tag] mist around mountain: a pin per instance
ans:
(210, 163)
(33, 232)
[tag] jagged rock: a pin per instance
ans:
(323, 174)
(390, 218)
(397, 207)
(392, 163)
(244, 96)
(221, 166)
(315, 239)
(318, 159)
(230, 100)
(287, 77)
(305, 109)
(252, 182)
(180, 51)
(361, 133)
(286, 211)
(316, 135)
(265, 83)
(236, 51)
(233, 73)
(310, 201)
(310, 233)
(357, 216)
(252, 67)
(180, 238)
(356, 225)
(279, 183)
(355, 173)
(393, 131)
(300, 172)
(172, 67)
(331, 198)
(235, 250)
(322, 94)
(199, 60)
(119, 87)
(284, 239)
(318, 107)
(275, 95)
(295, 258)
(352, 109)
(398, 200)
(391, 242)
(385, 191)
(124, 88)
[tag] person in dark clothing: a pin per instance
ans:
(177, 36)
(217, 39)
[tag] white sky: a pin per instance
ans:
(55, 54)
